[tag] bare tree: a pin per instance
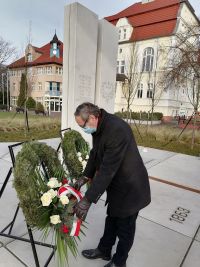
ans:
(133, 77)
(185, 67)
(155, 80)
(7, 51)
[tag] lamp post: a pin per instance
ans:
(2, 85)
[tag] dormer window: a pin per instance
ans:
(123, 33)
(29, 57)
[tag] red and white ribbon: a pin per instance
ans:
(63, 191)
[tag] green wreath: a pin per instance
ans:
(74, 148)
(27, 182)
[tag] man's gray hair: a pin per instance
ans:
(86, 109)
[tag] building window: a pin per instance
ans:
(59, 70)
(39, 71)
(14, 101)
(49, 70)
(140, 90)
(150, 90)
(119, 34)
(124, 34)
(120, 50)
(29, 57)
(33, 86)
(14, 86)
(121, 66)
(148, 56)
(39, 86)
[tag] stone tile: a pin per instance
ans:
(198, 236)
(152, 157)
(8, 260)
(181, 169)
(8, 205)
(193, 257)
(157, 246)
(165, 201)
(4, 168)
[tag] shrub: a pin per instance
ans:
(30, 103)
(39, 107)
(140, 115)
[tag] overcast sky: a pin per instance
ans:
(47, 15)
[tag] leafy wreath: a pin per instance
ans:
(75, 152)
(45, 189)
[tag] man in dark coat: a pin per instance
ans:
(114, 166)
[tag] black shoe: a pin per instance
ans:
(111, 264)
(95, 254)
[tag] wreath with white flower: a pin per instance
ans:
(46, 195)
(75, 153)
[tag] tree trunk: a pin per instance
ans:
(194, 130)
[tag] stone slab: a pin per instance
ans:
(181, 169)
(106, 65)
(8, 260)
(166, 200)
(193, 257)
(79, 61)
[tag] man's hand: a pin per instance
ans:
(80, 182)
(81, 208)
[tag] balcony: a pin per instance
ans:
(53, 93)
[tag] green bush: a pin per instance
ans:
(30, 103)
(39, 107)
(139, 116)
(3, 107)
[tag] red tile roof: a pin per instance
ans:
(41, 60)
(153, 19)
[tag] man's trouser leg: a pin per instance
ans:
(109, 236)
(125, 233)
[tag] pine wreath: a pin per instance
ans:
(73, 145)
(26, 180)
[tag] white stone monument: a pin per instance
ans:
(89, 63)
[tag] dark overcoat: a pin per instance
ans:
(115, 166)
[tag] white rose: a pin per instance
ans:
(64, 200)
(53, 193)
(46, 199)
(53, 183)
(87, 157)
(79, 154)
(80, 159)
(55, 219)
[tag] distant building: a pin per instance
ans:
(149, 25)
(44, 74)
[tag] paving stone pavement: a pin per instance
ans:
(167, 234)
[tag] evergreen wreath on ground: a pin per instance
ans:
(45, 190)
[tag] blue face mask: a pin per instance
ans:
(89, 130)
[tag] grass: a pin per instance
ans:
(159, 136)
(12, 127)
(165, 137)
